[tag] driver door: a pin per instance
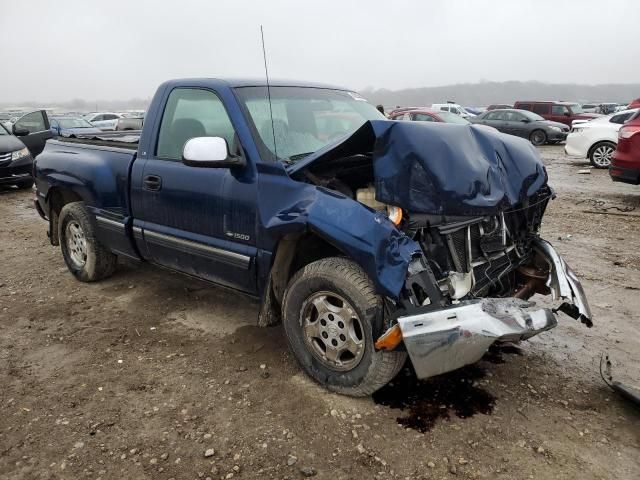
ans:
(199, 221)
(33, 130)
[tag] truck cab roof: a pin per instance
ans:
(235, 82)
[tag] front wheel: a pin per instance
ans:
(538, 137)
(86, 258)
(331, 317)
(600, 154)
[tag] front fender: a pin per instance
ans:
(369, 238)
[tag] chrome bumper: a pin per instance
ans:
(444, 340)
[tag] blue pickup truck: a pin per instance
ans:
(370, 240)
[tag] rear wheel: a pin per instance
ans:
(600, 154)
(86, 258)
(331, 316)
(538, 137)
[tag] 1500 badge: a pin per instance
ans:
(239, 236)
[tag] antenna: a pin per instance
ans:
(266, 73)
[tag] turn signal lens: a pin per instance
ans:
(390, 339)
(395, 214)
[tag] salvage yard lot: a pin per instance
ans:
(139, 375)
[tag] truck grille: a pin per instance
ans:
(495, 247)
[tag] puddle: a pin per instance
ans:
(494, 355)
(426, 402)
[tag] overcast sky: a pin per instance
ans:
(116, 49)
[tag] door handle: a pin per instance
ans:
(152, 183)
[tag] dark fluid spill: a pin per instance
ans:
(425, 402)
(495, 352)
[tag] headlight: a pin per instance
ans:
(395, 214)
(555, 129)
(20, 154)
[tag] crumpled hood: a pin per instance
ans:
(442, 168)
(80, 131)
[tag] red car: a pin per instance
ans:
(625, 162)
(427, 115)
(563, 112)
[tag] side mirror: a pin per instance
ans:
(525, 120)
(212, 152)
(567, 114)
(19, 132)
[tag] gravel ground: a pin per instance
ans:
(153, 375)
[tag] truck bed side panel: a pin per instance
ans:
(97, 175)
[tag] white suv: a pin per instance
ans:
(453, 108)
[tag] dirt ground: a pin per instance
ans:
(153, 375)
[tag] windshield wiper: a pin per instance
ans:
(293, 158)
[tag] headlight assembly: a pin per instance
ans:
(18, 154)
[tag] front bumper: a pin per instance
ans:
(444, 340)
(16, 171)
(623, 174)
(554, 136)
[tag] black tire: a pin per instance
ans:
(345, 278)
(25, 184)
(99, 262)
(600, 154)
(538, 137)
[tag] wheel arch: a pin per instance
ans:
(294, 252)
(599, 142)
(57, 198)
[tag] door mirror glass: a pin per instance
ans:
(525, 120)
(208, 152)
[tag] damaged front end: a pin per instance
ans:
(473, 202)
(442, 339)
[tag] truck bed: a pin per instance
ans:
(127, 140)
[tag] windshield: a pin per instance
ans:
(304, 119)
(576, 108)
(534, 117)
(449, 117)
(3, 131)
(74, 123)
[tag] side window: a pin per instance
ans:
(32, 122)
(110, 116)
(423, 117)
(621, 118)
(559, 109)
(494, 116)
(191, 113)
(97, 118)
(525, 106)
(455, 110)
(541, 108)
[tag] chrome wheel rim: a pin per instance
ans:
(602, 155)
(76, 244)
(332, 331)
